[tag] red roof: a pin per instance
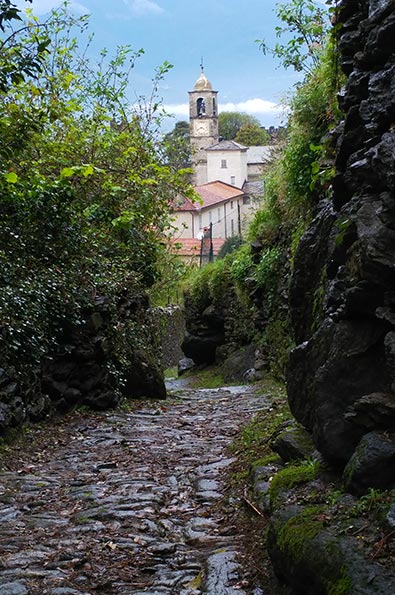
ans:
(191, 246)
(211, 194)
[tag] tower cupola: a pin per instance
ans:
(203, 84)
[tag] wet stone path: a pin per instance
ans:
(128, 502)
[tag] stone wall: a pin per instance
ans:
(169, 322)
(114, 354)
(221, 330)
(341, 376)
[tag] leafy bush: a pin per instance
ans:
(229, 246)
(208, 284)
(84, 191)
(265, 225)
(267, 270)
(242, 266)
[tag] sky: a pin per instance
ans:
(222, 32)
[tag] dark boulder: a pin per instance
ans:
(292, 444)
(315, 560)
(144, 378)
(184, 365)
(202, 348)
(372, 464)
(235, 366)
(376, 410)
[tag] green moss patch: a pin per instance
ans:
(290, 477)
(342, 586)
(299, 529)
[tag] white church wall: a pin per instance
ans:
(185, 224)
(227, 166)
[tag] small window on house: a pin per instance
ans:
(218, 215)
(200, 221)
(233, 180)
(223, 163)
(231, 204)
(214, 107)
(210, 217)
(232, 227)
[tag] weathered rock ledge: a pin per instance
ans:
(332, 522)
(322, 540)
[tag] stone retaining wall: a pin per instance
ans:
(170, 324)
(114, 354)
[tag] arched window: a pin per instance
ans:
(214, 107)
(200, 106)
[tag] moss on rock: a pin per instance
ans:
(294, 533)
(289, 477)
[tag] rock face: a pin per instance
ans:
(221, 329)
(205, 331)
(345, 264)
(292, 443)
(97, 367)
(372, 464)
(170, 323)
(317, 561)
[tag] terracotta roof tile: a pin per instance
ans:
(191, 246)
(211, 194)
(187, 205)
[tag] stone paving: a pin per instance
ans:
(129, 503)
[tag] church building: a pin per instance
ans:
(227, 177)
(215, 159)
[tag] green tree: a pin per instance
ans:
(252, 135)
(306, 24)
(229, 123)
(17, 61)
(84, 192)
(177, 145)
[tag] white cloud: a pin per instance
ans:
(78, 7)
(178, 109)
(250, 106)
(41, 7)
(143, 7)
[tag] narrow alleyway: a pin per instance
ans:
(127, 502)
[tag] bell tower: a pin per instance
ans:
(203, 120)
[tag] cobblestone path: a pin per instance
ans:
(127, 503)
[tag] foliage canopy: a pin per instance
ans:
(229, 123)
(305, 24)
(177, 144)
(84, 185)
(252, 135)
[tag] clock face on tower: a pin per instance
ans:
(201, 127)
